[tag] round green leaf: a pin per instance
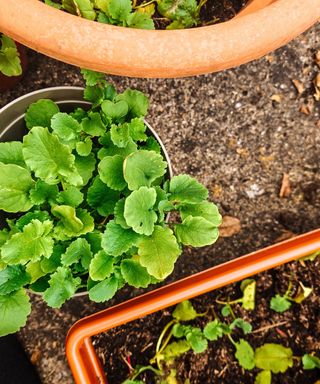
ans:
(273, 357)
(159, 252)
(111, 172)
(102, 198)
(101, 266)
(263, 377)
(186, 189)
(14, 310)
(135, 274)
(65, 126)
(196, 231)
(115, 110)
(205, 209)
(245, 354)
(143, 167)
(15, 184)
(40, 113)
(104, 290)
(138, 210)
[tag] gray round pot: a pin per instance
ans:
(13, 128)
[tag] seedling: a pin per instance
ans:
(281, 303)
(10, 64)
(91, 194)
(126, 13)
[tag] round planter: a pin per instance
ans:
(263, 26)
(12, 125)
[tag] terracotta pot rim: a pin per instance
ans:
(159, 53)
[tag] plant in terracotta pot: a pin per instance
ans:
(87, 196)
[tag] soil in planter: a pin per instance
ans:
(300, 330)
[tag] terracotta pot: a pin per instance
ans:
(8, 82)
(83, 360)
(262, 27)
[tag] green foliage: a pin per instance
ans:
(183, 13)
(185, 189)
(214, 330)
(310, 362)
(273, 357)
(14, 310)
(280, 303)
(245, 354)
(184, 311)
(91, 197)
(263, 377)
(242, 324)
(10, 64)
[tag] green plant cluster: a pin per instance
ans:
(10, 64)
(90, 193)
(126, 13)
(179, 336)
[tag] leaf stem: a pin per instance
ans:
(144, 4)
(146, 368)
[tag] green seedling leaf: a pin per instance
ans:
(10, 64)
(12, 278)
(116, 111)
(263, 377)
(40, 113)
(111, 172)
(117, 240)
(137, 129)
(138, 102)
(120, 135)
(35, 271)
(72, 222)
(197, 340)
(152, 144)
(185, 189)
(175, 349)
(93, 125)
(11, 153)
(14, 310)
(134, 274)
(196, 231)
(84, 147)
(242, 324)
(184, 311)
(248, 287)
(29, 245)
(119, 214)
(226, 311)
(53, 4)
(138, 210)
(205, 209)
(280, 303)
(142, 168)
(62, 287)
(85, 7)
(311, 257)
(119, 9)
(49, 265)
(214, 330)
(70, 196)
(28, 217)
(92, 77)
(101, 266)
(273, 357)
(68, 217)
(245, 354)
(303, 293)
(184, 13)
(139, 20)
(94, 95)
(85, 167)
(65, 126)
(15, 184)
(102, 198)
(159, 252)
(78, 250)
(49, 158)
(43, 192)
(104, 290)
(310, 362)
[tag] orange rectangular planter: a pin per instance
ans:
(85, 364)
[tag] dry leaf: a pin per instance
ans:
(318, 58)
(277, 98)
(285, 189)
(230, 226)
(242, 152)
(316, 83)
(270, 58)
(35, 357)
(307, 108)
(216, 191)
(299, 86)
(286, 235)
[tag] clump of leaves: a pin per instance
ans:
(91, 192)
(126, 13)
(281, 303)
(10, 64)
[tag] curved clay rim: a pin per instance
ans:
(262, 28)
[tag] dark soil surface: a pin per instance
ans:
(229, 131)
(300, 330)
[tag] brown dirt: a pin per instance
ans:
(218, 364)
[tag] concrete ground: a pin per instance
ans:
(238, 132)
